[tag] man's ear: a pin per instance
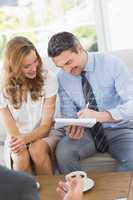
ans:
(80, 48)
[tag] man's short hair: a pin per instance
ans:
(60, 42)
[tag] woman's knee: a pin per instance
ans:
(21, 160)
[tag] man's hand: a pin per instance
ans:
(17, 143)
(88, 113)
(99, 116)
(74, 189)
(75, 132)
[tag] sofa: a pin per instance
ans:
(100, 161)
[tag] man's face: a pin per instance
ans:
(29, 65)
(71, 62)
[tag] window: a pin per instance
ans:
(39, 20)
(120, 15)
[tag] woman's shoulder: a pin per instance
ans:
(51, 77)
(51, 84)
(3, 99)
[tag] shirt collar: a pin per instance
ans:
(90, 65)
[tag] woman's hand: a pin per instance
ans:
(17, 143)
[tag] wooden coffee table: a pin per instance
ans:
(108, 186)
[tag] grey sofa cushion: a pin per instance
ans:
(99, 162)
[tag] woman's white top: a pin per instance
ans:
(29, 115)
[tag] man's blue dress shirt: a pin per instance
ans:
(112, 86)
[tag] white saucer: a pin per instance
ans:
(89, 183)
(38, 185)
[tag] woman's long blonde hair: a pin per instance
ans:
(16, 85)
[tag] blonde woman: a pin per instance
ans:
(27, 105)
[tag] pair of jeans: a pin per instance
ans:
(69, 151)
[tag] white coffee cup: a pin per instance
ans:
(77, 173)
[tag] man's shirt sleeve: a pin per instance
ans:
(123, 82)
(67, 106)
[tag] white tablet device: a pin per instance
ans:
(85, 122)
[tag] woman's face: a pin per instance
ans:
(29, 65)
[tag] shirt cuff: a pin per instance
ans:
(115, 114)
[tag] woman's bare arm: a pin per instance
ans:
(46, 122)
(8, 122)
(17, 139)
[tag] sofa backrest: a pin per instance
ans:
(127, 56)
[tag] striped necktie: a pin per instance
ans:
(97, 130)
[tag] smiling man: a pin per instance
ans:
(104, 82)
